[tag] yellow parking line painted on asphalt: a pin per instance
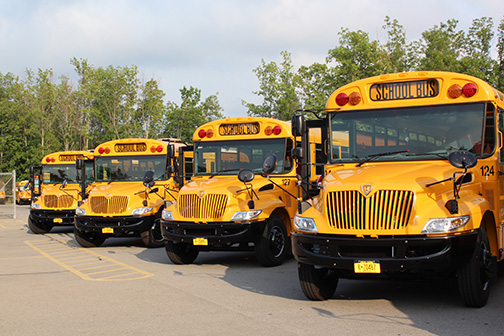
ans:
(3, 227)
(50, 251)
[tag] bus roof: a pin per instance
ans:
(241, 128)
(65, 157)
(412, 89)
(136, 146)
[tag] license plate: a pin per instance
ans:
(107, 230)
(367, 266)
(57, 220)
(200, 241)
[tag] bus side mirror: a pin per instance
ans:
(297, 153)
(79, 164)
(170, 150)
(462, 159)
(32, 170)
(269, 165)
(298, 125)
(148, 180)
(246, 175)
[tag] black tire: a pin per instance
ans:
(153, 236)
(181, 253)
(318, 284)
(273, 246)
(88, 239)
(38, 228)
(476, 274)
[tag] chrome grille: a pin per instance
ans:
(385, 210)
(114, 205)
(53, 201)
(209, 206)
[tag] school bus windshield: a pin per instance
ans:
(228, 157)
(58, 173)
(410, 133)
(129, 168)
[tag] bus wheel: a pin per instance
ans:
(475, 275)
(88, 239)
(181, 253)
(153, 237)
(38, 228)
(318, 284)
(273, 245)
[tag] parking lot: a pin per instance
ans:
(51, 286)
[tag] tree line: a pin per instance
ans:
(41, 114)
(444, 47)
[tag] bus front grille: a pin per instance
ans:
(53, 201)
(385, 210)
(114, 205)
(210, 206)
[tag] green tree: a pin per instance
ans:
(477, 61)
(356, 57)
(278, 88)
(181, 121)
(441, 47)
(151, 110)
(499, 63)
(397, 55)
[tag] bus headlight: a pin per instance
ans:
(167, 215)
(80, 212)
(305, 224)
(141, 211)
(245, 215)
(36, 206)
(443, 225)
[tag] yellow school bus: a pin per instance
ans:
(23, 192)
(55, 191)
(133, 178)
(417, 193)
(242, 195)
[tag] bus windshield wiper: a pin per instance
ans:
(372, 156)
(439, 155)
(224, 171)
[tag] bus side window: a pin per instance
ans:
(501, 128)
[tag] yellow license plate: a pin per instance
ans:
(367, 266)
(107, 230)
(57, 220)
(200, 241)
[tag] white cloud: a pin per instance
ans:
(211, 45)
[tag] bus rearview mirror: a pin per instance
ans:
(298, 125)
(297, 153)
(269, 165)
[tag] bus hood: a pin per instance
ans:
(394, 176)
(221, 184)
(118, 188)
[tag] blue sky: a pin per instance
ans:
(211, 45)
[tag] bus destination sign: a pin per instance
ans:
(404, 90)
(130, 147)
(68, 158)
(239, 129)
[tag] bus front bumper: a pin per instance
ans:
(114, 226)
(223, 236)
(53, 217)
(395, 254)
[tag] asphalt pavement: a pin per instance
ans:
(51, 286)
